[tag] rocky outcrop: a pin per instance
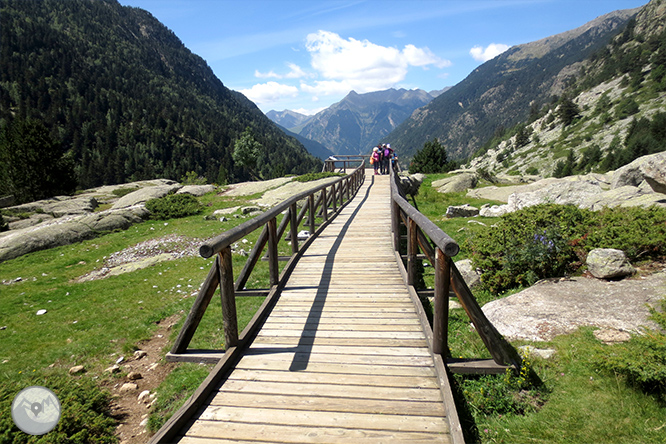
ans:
(197, 190)
(143, 195)
(640, 183)
(560, 306)
(461, 211)
(410, 183)
(456, 184)
(66, 230)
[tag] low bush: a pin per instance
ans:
(553, 240)
(173, 206)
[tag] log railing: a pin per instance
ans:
(321, 202)
(438, 248)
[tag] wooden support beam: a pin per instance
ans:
(293, 227)
(440, 324)
(273, 252)
(412, 250)
(228, 298)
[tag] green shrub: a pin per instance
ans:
(173, 206)
(192, 178)
(3, 225)
(316, 176)
(85, 416)
(528, 245)
(120, 192)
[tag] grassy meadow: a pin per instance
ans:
(93, 323)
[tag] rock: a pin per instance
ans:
(58, 206)
(210, 217)
(611, 336)
(461, 211)
(41, 312)
(128, 387)
(249, 188)
(113, 369)
(493, 211)
(138, 354)
(470, 275)
(560, 306)
(563, 193)
(143, 195)
(144, 396)
(543, 353)
(411, 183)
(248, 210)
(654, 172)
(456, 184)
(608, 263)
(196, 190)
(133, 376)
(225, 211)
(77, 370)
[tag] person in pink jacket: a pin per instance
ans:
(376, 159)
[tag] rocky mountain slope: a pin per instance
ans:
(505, 90)
(613, 112)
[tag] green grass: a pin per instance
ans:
(92, 323)
(580, 403)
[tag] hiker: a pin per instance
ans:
(387, 153)
(375, 159)
(394, 163)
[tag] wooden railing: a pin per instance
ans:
(323, 202)
(343, 162)
(438, 248)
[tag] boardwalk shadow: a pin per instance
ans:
(306, 342)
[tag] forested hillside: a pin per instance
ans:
(113, 95)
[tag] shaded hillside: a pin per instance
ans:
(505, 90)
(613, 112)
(315, 148)
(356, 123)
(124, 98)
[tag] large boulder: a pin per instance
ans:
(456, 184)
(651, 168)
(58, 206)
(197, 190)
(410, 183)
(561, 192)
(608, 263)
(461, 211)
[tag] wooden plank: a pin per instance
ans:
(287, 434)
(330, 404)
(369, 421)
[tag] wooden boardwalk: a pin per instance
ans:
(342, 356)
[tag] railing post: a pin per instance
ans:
(311, 213)
(273, 252)
(395, 224)
(412, 250)
(342, 199)
(228, 298)
(347, 186)
(324, 204)
(440, 324)
(334, 198)
(293, 227)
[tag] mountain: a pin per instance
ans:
(287, 118)
(315, 148)
(356, 123)
(505, 90)
(123, 99)
(612, 111)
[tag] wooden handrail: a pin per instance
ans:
(221, 273)
(438, 248)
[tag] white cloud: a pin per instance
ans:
(296, 72)
(269, 92)
(489, 52)
(360, 65)
(266, 75)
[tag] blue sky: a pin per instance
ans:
(305, 55)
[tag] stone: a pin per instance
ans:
(410, 183)
(456, 184)
(113, 369)
(248, 210)
(128, 387)
(133, 376)
(488, 210)
(41, 312)
(461, 211)
(138, 354)
(144, 396)
(471, 275)
(654, 172)
(611, 336)
(77, 370)
(608, 263)
(225, 211)
(543, 353)
(196, 190)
